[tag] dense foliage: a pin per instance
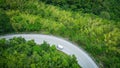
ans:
(109, 9)
(100, 37)
(5, 25)
(19, 53)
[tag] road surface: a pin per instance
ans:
(84, 60)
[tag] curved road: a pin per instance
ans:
(83, 59)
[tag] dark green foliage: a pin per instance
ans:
(23, 54)
(5, 25)
(110, 7)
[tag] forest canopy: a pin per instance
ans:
(19, 53)
(95, 28)
(108, 9)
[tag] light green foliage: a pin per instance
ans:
(23, 54)
(98, 36)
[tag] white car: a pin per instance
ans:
(60, 47)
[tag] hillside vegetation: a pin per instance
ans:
(19, 53)
(98, 36)
(108, 9)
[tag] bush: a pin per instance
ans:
(105, 15)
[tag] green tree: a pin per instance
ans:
(5, 25)
(18, 55)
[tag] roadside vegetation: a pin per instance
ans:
(98, 36)
(19, 53)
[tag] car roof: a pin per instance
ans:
(60, 46)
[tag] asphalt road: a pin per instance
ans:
(84, 60)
